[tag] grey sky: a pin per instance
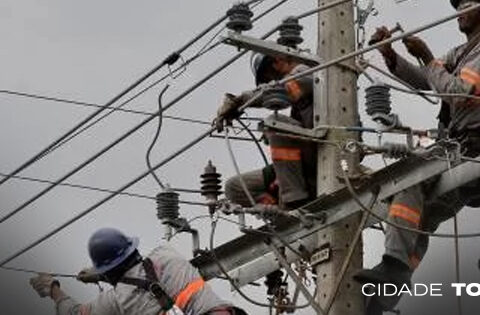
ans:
(90, 50)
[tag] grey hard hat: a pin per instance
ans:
(259, 63)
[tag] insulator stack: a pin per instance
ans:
(211, 181)
(378, 100)
(276, 98)
(290, 32)
(167, 205)
(240, 18)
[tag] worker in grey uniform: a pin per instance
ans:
(457, 73)
(163, 281)
(291, 180)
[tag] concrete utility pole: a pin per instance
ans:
(336, 37)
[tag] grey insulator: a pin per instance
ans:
(290, 32)
(167, 205)
(211, 181)
(240, 17)
(378, 100)
(276, 98)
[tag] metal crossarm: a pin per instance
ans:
(249, 257)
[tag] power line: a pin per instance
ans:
(105, 190)
(77, 217)
(106, 199)
(129, 132)
(171, 59)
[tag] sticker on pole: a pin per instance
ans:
(322, 255)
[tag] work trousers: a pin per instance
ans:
(414, 208)
(289, 179)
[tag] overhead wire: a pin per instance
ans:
(172, 58)
(232, 281)
(131, 183)
(172, 73)
(155, 138)
(375, 46)
(105, 190)
(82, 214)
(131, 131)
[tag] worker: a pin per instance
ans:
(291, 180)
(150, 285)
(457, 73)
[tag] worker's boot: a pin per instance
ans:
(391, 271)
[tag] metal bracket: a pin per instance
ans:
(271, 123)
(270, 48)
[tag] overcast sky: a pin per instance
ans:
(90, 50)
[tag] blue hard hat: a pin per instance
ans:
(108, 248)
(259, 63)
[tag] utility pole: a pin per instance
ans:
(337, 106)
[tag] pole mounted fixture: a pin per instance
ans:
(168, 213)
(210, 188)
(290, 32)
(240, 18)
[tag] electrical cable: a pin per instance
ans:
(257, 143)
(457, 261)
(86, 104)
(171, 59)
(172, 74)
(394, 78)
(375, 46)
(104, 190)
(129, 132)
(23, 270)
(80, 215)
(434, 94)
(232, 281)
(106, 199)
(155, 138)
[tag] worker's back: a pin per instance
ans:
(175, 274)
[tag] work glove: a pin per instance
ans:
(43, 284)
(227, 111)
(89, 275)
(381, 34)
(419, 49)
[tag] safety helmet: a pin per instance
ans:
(456, 3)
(108, 248)
(259, 63)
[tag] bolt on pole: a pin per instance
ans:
(336, 104)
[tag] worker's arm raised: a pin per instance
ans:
(414, 75)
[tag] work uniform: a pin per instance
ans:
(458, 73)
(292, 176)
(177, 277)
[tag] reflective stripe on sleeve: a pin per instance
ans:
(406, 213)
(186, 294)
(472, 77)
(294, 90)
(286, 154)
